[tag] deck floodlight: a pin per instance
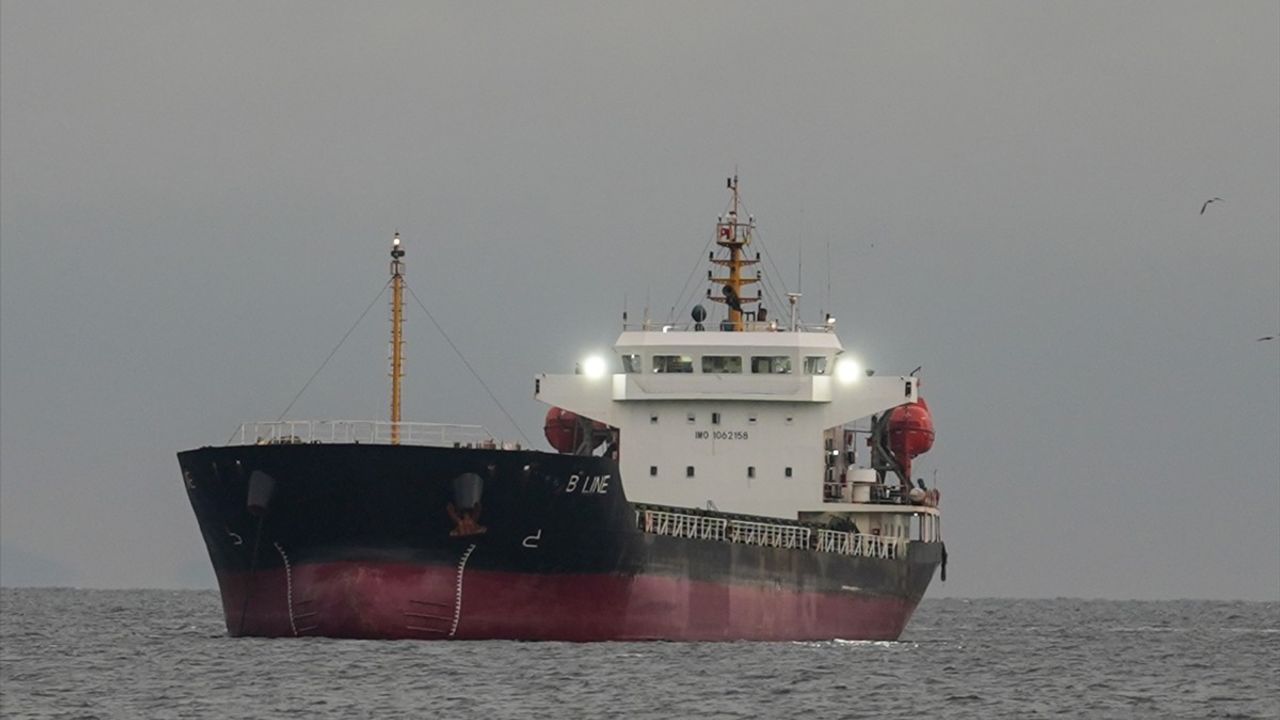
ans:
(848, 371)
(594, 367)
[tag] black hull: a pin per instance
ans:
(367, 540)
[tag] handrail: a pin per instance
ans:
(375, 432)
(768, 534)
(881, 494)
(710, 327)
(861, 545)
(681, 525)
(796, 537)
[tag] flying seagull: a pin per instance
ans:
(1265, 338)
(1206, 203)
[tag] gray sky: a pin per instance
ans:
(195, 201)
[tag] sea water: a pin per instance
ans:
(165, 654)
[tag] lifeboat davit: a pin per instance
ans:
(565, 430)
(910, 433)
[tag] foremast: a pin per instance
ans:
(734, 236)
(397, 334)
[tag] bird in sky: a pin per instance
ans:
(1206, 203)
(1265, 338)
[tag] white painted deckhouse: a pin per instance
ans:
(754, 416)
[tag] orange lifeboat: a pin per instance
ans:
(564, 430)
(910, 432)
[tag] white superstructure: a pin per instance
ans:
(742, 441)
(745, 416)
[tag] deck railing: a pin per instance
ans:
(375, 432)
(874, 546)
(747, 532)
(686, 526)
(768, 534)
(880, 494)
(749, 326)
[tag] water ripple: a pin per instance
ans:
(147, 653)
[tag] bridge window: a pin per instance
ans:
(672, 364)
(771, 364)
(788, 472)
(692, 418)
(815, 365)
(721, 363)
(688, 471)
(653, 471)
(632, 364)
(715, 418)
(751, 471)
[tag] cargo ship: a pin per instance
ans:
(735, 478)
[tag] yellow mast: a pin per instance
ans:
(735, 236)
(397, 341)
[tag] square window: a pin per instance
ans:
(688, 471)
(721, 364)
(815, 365)
(790, 419)
(653, 470)
(715, 418)
(751, 471)
(672, 364)
(751, 419)
(692, 418)
(771, 364)
(653, 419)
(788, 471)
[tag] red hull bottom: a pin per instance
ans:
(400, 601)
